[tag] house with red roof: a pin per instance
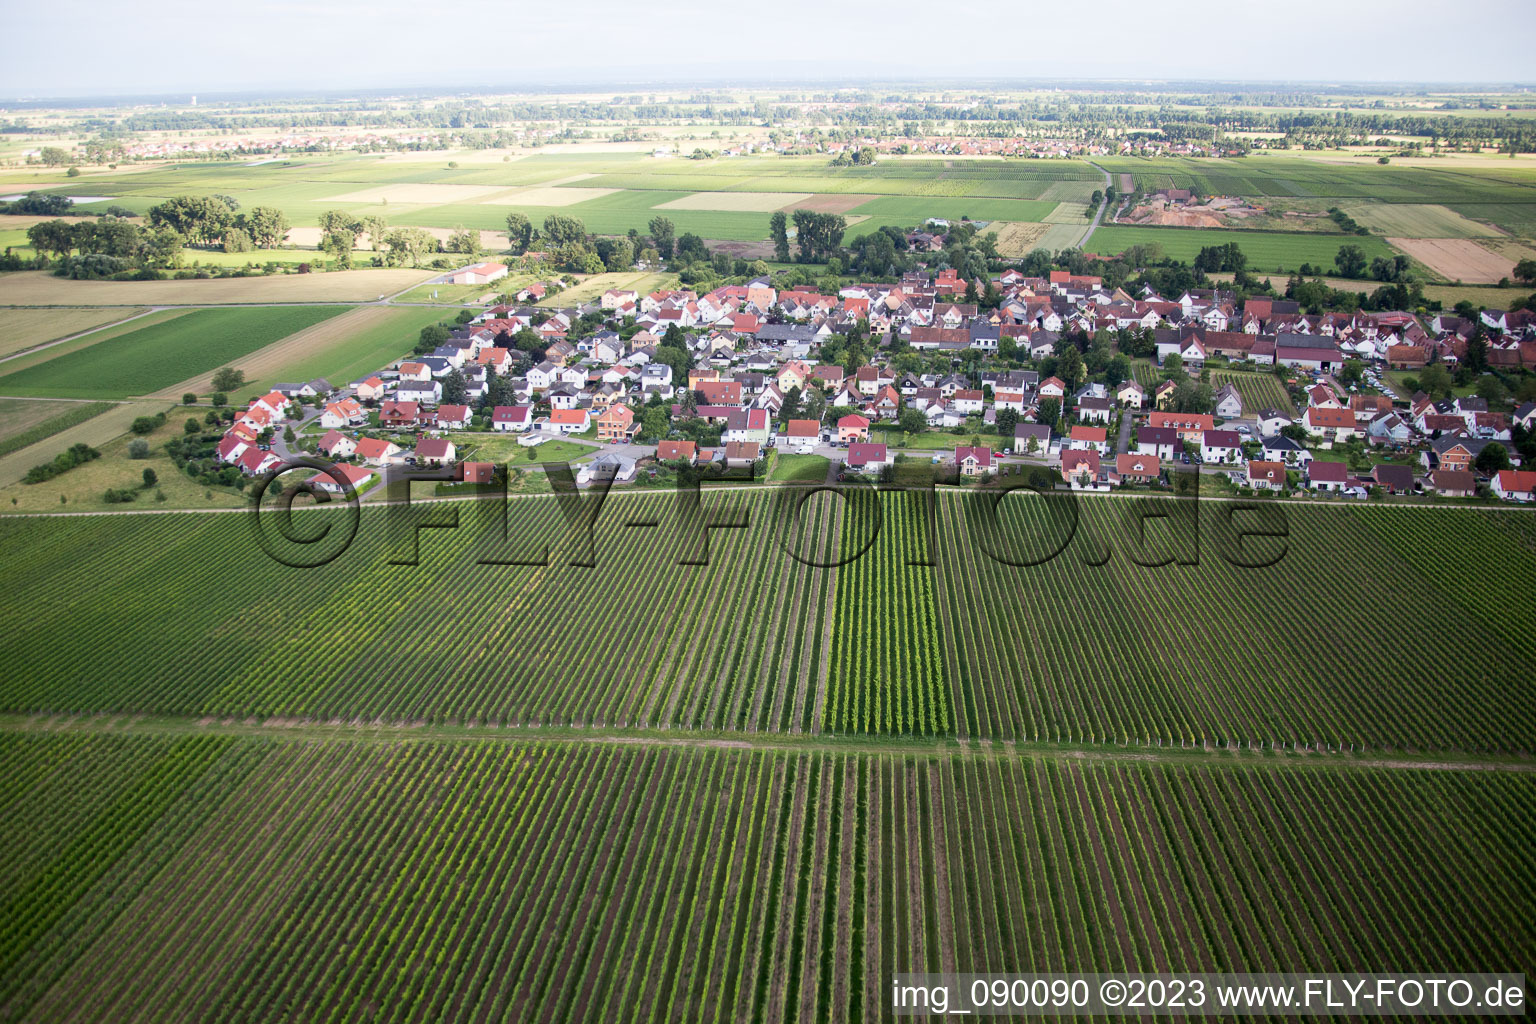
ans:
(617, 424)
(512, 418)
(254, 462)
(371, 390)
(973, 461)
(1266, 476)
(1080, 467)
(868, 458)
(1515, 484)
(355, 477)
(569, 421)
(1332, 423)
(1327, 476)
(1083, 437)
(852, 427)
(1136, 468)
(434, 451)
(337, 445)
(676, 451)
(478, 472)
(232, 447)
(345, 413)
(376, 452)
(800, 432)
(452, 417)
(399, 414)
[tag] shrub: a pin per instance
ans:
(147, 424)
(65, 461)
(189, 399)
(138, 448)
(118, 495)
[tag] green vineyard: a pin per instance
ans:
(201, 878)
(886, 675)
(1376, 628)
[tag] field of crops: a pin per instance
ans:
(886, 673)
(1266, 250)
(202, 877)
(24, 422)
(612, 192)
(1089, 647)
(160, 355)
(1305, 178)
(1258, 390)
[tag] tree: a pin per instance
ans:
(55, 236)
(430, 337)
(1069, 366)
(455, 388)
(1350, 261)
(1435, 381)
(912, 421)
(1491, 459)
(778, 226)
(161, 247)
(519, 233)
(663, 236)
(1007, 423)
(150, 477)
(562, 230)
(654, 423)
(409, 245)
(1476, 358)
(191, 426)
(138, 448)
(228, 379)
(691, 249)
(676, 357)
(464, 240)
(189, 399)
(1049, 410)
(1525, 271)
(201, 220)
(1492, 390)
(268, 225)
(377, 228)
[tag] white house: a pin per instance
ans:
(512, 418)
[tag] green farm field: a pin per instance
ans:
(340, 349)
(1266, 250)
(160, 355)
(24, 328)
(610, 192)
(1258, 390)
(25, 421)
(511, 878)
(794, 667)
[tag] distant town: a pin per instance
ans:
(1111, 389)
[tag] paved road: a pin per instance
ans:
(1099, 214)
(1122, 444)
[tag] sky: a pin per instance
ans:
(65, 47)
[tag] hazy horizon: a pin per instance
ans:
(289, 46)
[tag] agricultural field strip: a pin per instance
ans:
(154, 359)
(807, 742)
(1063, 684)
(481, 881)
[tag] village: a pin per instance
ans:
(741, 375)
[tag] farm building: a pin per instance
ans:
(480, 273)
